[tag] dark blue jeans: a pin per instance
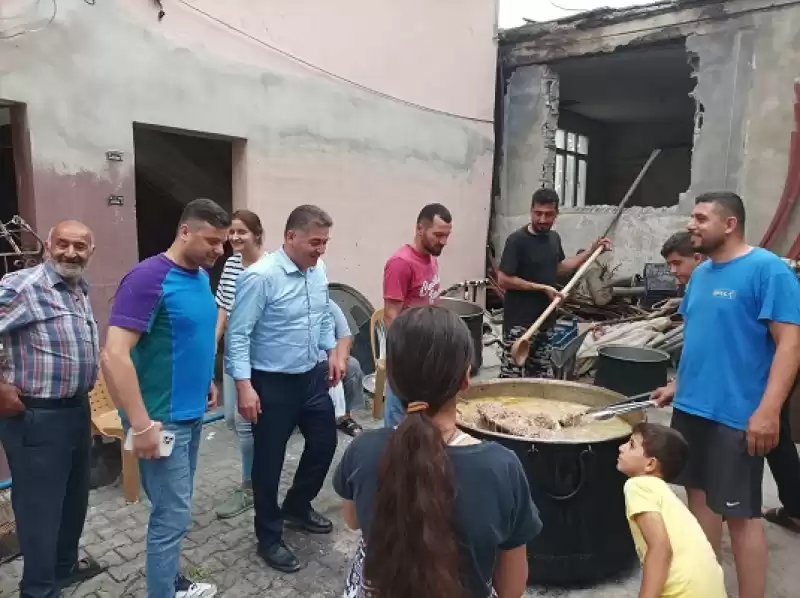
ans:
(289, 400)
(49, 456)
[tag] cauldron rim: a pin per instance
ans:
(456, 304)
(542, 441)
(613, 397)
(612, 352)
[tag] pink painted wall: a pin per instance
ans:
(370, 160)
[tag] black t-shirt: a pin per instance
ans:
(535, 258)
(494, 509)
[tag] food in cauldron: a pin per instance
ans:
(514, 421)
(537, 418)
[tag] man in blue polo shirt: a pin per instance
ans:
(740, 360)
(159, 364)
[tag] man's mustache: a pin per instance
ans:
(74, 262)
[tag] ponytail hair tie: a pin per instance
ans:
(417, 407)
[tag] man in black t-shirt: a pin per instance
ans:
(533, 258)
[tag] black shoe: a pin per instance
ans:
(350, 427)
(312, 522)
(279, 557)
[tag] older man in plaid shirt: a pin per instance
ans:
(50, 342)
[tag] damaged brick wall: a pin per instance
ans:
(528, 146)
(739, 143)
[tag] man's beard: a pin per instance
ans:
(541, 229)
(69, 270)
(706, 246)
(434, 250)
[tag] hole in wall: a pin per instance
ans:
(614, 110)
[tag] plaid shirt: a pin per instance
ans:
(49, 334)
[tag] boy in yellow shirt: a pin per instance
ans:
(677, 559)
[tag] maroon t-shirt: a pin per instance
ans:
(411, 277)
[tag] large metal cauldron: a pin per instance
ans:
(631, 370)
(472, 316)
(575, 485)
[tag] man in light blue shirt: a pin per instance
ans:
(353, 377)
(281, 320)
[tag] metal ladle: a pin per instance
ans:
(607, 412)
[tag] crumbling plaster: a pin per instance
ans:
(371, 161)
(747, 56)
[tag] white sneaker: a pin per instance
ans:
(187, 589)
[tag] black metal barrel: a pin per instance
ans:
(576, 487)
(631, 370)
(472, 315)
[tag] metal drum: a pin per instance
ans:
(575, 485)
(472, 315)
(631, 370)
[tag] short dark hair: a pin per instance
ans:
(665, 445)
(545, 196)
(205, 210)
(728, 202)
(680, 243)
(431, 211)
(304, 216)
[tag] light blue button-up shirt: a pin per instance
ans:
(341, 329)
(281, 318)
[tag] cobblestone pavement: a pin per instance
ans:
(223, 552)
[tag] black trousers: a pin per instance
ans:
(48, 453)
(784, 463)
(289, 400)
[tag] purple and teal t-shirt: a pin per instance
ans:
(174, 310)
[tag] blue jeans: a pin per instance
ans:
(169, 484)
(393, 409)
(243, 428)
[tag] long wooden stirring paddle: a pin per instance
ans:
(521, 347)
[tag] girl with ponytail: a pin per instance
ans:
(442, 514)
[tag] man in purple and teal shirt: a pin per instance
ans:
(50, 349)
(159, 364)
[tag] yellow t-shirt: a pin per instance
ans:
(694, 572)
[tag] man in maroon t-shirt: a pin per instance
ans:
(411, 279)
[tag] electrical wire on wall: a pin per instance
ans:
(328, 73)
(22, 29)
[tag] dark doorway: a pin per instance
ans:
(19, 245)
(172, 168)
(9, 202)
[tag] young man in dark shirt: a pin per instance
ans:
(533, 258)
